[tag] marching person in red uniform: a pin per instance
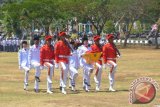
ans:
(62, 53)
(47, 61)
(96, 47)
(109, 57)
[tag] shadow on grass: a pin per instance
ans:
(125, 90)
(79, 91)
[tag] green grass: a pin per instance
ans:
(133, 64)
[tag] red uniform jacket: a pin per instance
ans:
(109, 52)
(62, 52)
(96, 48)
(46, 54)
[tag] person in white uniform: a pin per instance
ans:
(4, 44)
(23, 62)
(73, 65)
(17, 44)
(34, 61)
(87, 68)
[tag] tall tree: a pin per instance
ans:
(127, 12)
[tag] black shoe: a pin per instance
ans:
(36, 90)
(37, 79)
(60, 88)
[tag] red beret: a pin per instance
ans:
(97, 37)
(48, 37)
(62, 34)
(109, 36)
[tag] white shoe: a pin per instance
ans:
(49, 92)
(73, 88)
(64, 91)
(25, 86)
(111, 89)
(97, 88)
(86, 89)
(49, 80)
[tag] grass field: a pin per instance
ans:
(134, 63)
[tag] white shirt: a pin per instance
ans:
(74, 60)
(9, 42)
(4, 42)
(34, 54)
(14, 42)
(23, 57)
(17, 42)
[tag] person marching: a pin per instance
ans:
(73, 65)
(34, 61)
(23, 62)
(47, 61)
(62, 53)
(87, 68)
(109, 57)
(96, 47)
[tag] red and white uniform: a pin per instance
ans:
(109, 57)
(47, 60)
(109, 53)
(62, 53)
(46, 54)
(97, 77)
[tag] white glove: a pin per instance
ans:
(56, 65)
(104, 66)
(41, 67)
(118, 56)
(20, 68)
(82, 54)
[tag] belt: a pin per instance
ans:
(48, 60)
(100, 59)
(63, 56)
(111, 58)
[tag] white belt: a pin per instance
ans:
(111, 58)
(48, 60)
(100, 59)
(63, 56)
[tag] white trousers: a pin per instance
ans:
(50, 72)
(113, 67)
(97, 77)
(73, 74)
(87, 70)
(64, 74)
(36, 65)
(26, 74)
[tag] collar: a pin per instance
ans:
(36, 46)
(24, 49)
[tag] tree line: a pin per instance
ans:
(20, 16)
